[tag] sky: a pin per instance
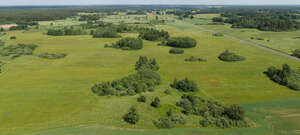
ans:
(147, 2)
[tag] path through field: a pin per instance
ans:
(248, 43)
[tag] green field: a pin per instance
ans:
(53, 97)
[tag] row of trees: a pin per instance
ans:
(66, 31)
(145, 79)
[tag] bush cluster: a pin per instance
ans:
(214, 114)
(296, 53)
(286, 76)
(153, 34)
(230, 57)
(129, 43)
(66, 31)
(182, 42)
(192, 59)
(156, 102)
(13, 37)
(132, 117)
(218, 35)
(142, 98)
(143, 80)
(52, 55)
(18, 50)
(185, 85)
(176, 51)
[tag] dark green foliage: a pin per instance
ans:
(145, 63)
(218, 19)
(185, 85)
(286, 76)
(66, 32)
(230, 57)
(214, 113)
(182, 42)
(145, 79)
(89, 18)
(105, 33)
(52, 55)
(153, 34)
(142, 98)
(163, 123)
(131, 117)
(18, 50)
(235, 112)
(176, 51)
(156, 102)
(192, 59)
(168, 92)
(13, 37)
(129, 43)
(170, 121)
(296, 53)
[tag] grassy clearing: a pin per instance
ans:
(39, 94)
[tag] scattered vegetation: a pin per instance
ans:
(142, 98)
(18, 50)
(156, 102)
(286, 76)
(66, 32)
(230, 57)
(185, 85)
(52, 55)
(145, 63)
(105, 33)
(13, 37)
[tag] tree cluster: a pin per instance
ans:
(132, 117)
(145, 79)
(182, 42)
(230, 57)
(145, 63)
(286, 76)
(185, 85)
(153, 34)
(129, 43)
(66, 31)
(213, 113)
(105, 33)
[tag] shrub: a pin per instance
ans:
(176, 51)
(129, 43)
(192, 59)
(13, 37)
(230, 57)
(156, 102)
(235, 112)
(142, 99)
(153, 34)
(185, 85)
(105, 33)
(18, 50)
(182, 42)
(52, 55)
(163, 123)
(131, 117)
(168, 92)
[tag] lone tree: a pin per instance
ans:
(156, 102)
(131, 117)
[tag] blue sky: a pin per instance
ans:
(108, 2)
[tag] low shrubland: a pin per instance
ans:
(14, 51)
(192, 59)
(185, 85)
(52, 55)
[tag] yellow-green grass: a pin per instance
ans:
(39, 94)
(282, 41)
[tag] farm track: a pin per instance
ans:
(250, 43)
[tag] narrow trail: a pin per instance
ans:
(250, 43)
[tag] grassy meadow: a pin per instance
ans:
(53, 97)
